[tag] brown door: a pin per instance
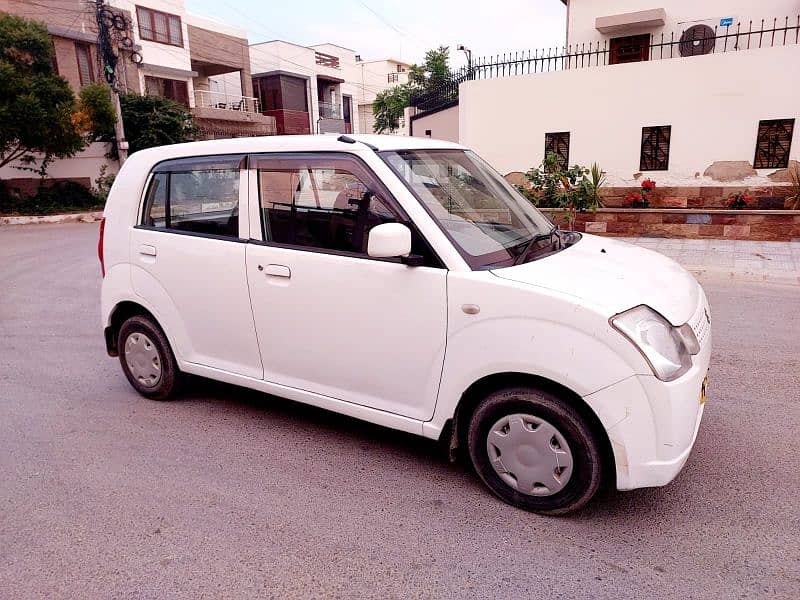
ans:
(633, 48)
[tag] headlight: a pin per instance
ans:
(666, 348)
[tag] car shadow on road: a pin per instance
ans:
(344, 433)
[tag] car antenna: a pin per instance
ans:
(348, 140)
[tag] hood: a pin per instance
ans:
(614, 274)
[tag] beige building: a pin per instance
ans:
(179, 56)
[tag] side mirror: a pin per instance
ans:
(389, 240)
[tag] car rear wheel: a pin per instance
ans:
(535, 451)
(147, 359)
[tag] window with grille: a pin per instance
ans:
(633, 48)
(773, 143)
(393, 77)
(156, 26)
(85, 71)
(558, 143)
(655, 148)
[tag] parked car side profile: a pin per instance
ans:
(402, 281)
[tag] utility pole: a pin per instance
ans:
(112, 33)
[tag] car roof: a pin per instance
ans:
(293, 143)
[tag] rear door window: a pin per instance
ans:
(199, 195)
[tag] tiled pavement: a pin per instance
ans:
(777, 262)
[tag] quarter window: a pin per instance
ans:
(328, 204)
(197, 196)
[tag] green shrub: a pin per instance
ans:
(95, 101)
(576, 189)
(60, 196)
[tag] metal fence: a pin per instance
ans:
(694, 41)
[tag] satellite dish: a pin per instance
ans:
(697, 40)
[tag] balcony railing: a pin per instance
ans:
(327, 110)
(326, 60)
(694, 41)
(224, 101)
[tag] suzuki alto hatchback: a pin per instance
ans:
(404, 282)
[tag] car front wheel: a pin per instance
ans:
(535, 451)
(147, 358)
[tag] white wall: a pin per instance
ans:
(581, 15)
(712, 102)
(443, 124)
(84, 164)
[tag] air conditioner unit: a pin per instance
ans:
(701, 36)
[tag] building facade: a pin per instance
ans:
(687, 94)
(180, 57)
(318, 89)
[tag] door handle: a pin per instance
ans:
(276, 270)
(147, 250)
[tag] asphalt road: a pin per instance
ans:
(227, 493)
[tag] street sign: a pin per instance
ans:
(726, 22)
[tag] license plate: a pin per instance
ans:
(703, 389)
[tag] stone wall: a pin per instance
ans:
(763, 197)
(770, 225)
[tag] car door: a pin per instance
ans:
(330, 320)
(189, 262)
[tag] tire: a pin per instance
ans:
(530, 424)
(149, 347)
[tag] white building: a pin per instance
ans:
(323, 88)
(376, 76)
(685, 93)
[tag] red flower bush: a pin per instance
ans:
(642, 199)
(738, 201)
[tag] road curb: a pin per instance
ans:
(745, 276)
(81, 217)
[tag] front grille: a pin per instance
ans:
(700, 322)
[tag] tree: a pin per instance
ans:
(433, 72)
(36, 105)
(389, 105)
(155, 121)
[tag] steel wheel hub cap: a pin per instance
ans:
(529, 454)
(143, 360)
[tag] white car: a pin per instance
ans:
(404, 282)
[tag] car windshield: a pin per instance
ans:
(489, 222)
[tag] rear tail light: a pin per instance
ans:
(100, 246)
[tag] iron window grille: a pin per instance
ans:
(654, 154)
(773, 143)
(558, 143)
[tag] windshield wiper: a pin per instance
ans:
(533, 241)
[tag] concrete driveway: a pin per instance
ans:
(227, 493)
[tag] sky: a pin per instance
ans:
(398, 29)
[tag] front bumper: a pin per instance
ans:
(651, 424)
